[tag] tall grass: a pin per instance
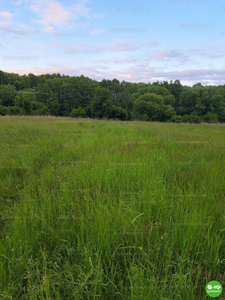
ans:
(110, 210)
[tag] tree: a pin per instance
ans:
(188, 101)
(169, 113)
(175, 89)
(169, 100)
(32, 80)
(218, 101)
(101, 105)
(23, 100)
(39, 108)
(7, 95)
(151, 105)
(119, 113)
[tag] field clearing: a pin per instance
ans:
(110, 210)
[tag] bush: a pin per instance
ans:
(144, 117)
(120, 113)
(192, 118)
(169, 113)
(210, 118)
(176, 119)
(79, 112)
(14, 110)
(4, 110)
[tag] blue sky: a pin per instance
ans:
(136, 41)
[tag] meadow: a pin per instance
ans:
(110, 210)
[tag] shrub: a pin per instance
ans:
(176, 119)
(4, 110)
(79, 112)
(119, 113)
(210, 118)
(192, 118)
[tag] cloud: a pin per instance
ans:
(198, 74)
(35, 8)
(46, 28)
(4, 24)
(152, 44)
(190, 77)
(19, 2)
(96, 31)
(40, 71)
(55, 13)
(135, 74)
(119, 46)
(83, 49)
(52, 14)
(19, 32)
(59, 45)
(5, 14)
(166, 54)
(215, 54)
(40, 47)
(81, 10)
(27, 29)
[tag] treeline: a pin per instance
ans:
(62, 95)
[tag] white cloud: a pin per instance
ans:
(46, 27)
(55, 13)
(27, 29)
(52, 13)
(35, 8)
(5, 14)
(81, 10)
(4, 24)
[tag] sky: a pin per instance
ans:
(136, 41)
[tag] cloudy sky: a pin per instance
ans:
(136, 41)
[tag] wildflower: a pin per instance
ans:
(56, 265)
(140, 248)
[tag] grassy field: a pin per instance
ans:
(110, 210)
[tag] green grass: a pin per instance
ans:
(127, 210)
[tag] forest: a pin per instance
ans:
(63, 95)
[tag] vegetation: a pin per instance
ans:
(61, 95)
(110, 210)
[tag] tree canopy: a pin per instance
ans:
(80, 96)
